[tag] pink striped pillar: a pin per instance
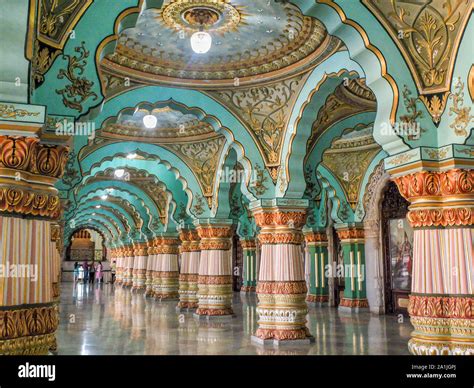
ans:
(441, 304)
(281, 286)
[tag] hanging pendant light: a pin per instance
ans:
(201, 42)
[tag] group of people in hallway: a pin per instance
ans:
(88, 273)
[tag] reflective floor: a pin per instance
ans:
(106, 320)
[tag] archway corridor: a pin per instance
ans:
(236, 177)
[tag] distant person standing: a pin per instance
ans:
(86, 272)
(112, 271)
(91, 272)
(76, 272)
(99, 274)
(81, 274)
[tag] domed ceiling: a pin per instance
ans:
(250, 41)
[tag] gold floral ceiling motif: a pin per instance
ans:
(202, 157)
(349, 158)
(428, 33)
(46, 40)
(265, 110)
(157, 49)
(348, 99)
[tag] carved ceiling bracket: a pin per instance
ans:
(428, 34)
(55, 21)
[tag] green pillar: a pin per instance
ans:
(353, 249)
(249, 249)
(317, 246)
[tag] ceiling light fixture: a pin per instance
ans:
(97, 207)
(119, 172)
(201, 42)
(133, 155)
(150, 121)
(104, 197)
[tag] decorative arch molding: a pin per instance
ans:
(160, 169)
(114, 230)
(70, 233)
(154, 193)
(95, 225)
(371, 60)
(141, 214)
(113, 207)
(319, 85)
(108, 215)
(223, 120)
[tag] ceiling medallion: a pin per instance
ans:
(215, 15)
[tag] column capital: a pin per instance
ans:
(439, 198)
(350, 232)
(29, 171)
(248, 243)
(315, 237)
(189, 240)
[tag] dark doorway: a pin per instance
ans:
(398, 250)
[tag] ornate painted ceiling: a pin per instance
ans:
(252, 42)
(302, 99)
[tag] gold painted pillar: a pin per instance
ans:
(215, 270)
(188, 277)
(441, 305)
(167, 271)
(281, 286)
(119, 268)
(29, 203)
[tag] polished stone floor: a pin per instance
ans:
(103, 320)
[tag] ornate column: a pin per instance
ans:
(119, 268)
(127, 280)
(441, 305)
(317, 248)
(353, 249)
(139, 266)
(188, 277)
(249, 248)
(281, 286)
(215, 270)
(167, 268)
(150, 269)
(29, 203)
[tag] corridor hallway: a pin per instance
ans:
(107, 320)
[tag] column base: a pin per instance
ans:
(247, 289)
(138, 289)
(432, 347)
(353, 305)
(166, 297)
(276, 342)
(317, 300)
(222, 317)
(187, 306)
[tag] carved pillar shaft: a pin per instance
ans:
(29, 204)
(318, 259)
(249, 252)
(215, 271)
(167, 272)
(119, 268)
(441, 305)
(353, 249)
(281, 286)
(188, 277)
(127, 280)
(139, 267)
(150, 269)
